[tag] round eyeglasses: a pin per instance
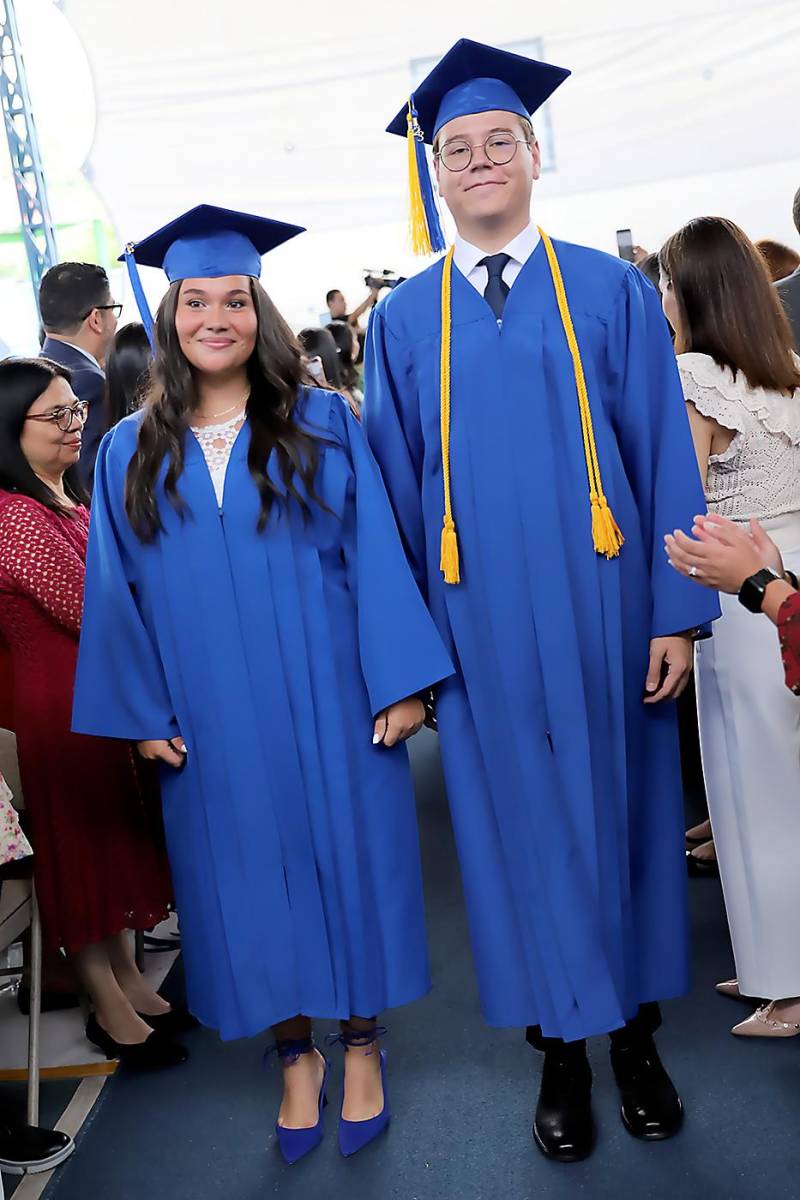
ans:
(64, 417)
(499, 148)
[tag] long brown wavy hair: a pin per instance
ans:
(276, 374)
(727, 305)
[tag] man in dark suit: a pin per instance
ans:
(789, 288)
(80, 319)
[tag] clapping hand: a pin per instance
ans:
(722, 554)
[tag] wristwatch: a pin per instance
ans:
(751, 593)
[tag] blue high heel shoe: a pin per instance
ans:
(297, 1143)
(355, 1135)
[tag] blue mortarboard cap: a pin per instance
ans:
(475, 78)
(205, 243)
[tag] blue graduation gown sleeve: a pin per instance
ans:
(392, 425)
(120, 690)
(401, 651)
(655, 442)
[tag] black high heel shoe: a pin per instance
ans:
(170, 1024)
(151, 1055)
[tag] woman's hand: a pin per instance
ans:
(171, 751)
(722, 529)
(398, 722)
(721, 554)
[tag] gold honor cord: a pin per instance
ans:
(606, 535)
(448, 564)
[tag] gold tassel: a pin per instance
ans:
(417, 225)
(448, 563)
(605, 532)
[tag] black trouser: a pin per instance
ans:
(643, 1025)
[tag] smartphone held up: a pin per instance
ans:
(625, 247)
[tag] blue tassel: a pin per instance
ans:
(428, 197)
(138, 292)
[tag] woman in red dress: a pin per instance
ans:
(100, 867)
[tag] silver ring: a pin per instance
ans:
(692, 571)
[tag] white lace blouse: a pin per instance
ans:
(216, 442)
(759, 473)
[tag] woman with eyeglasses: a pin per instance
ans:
(100, 865)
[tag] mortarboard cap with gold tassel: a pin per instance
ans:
(471, 78)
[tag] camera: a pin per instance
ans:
(382, 279)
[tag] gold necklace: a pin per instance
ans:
(225, 411)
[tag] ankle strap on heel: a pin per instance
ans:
(360, 1038)
(288, 1050)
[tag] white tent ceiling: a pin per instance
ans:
(673, 109)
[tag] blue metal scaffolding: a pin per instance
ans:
(26, 163)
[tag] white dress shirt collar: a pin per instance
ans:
(520, 248)
(86, 354)
(80, 349)
(467, 257)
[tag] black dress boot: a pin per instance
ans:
(651, 1107)
(563, 1126)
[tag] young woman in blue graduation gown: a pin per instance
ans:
(263, 637)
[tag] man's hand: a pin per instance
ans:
(171, 751)
(674, 654)
(398, 722)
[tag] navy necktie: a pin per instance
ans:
(496, 288)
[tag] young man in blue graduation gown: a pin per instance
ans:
(523, 402)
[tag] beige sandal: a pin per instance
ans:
(762, 1024)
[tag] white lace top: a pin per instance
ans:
(759, 473)
(216, 442)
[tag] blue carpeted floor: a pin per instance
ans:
(462, 1097)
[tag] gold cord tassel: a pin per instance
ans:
(448, 563)
(606, 534)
